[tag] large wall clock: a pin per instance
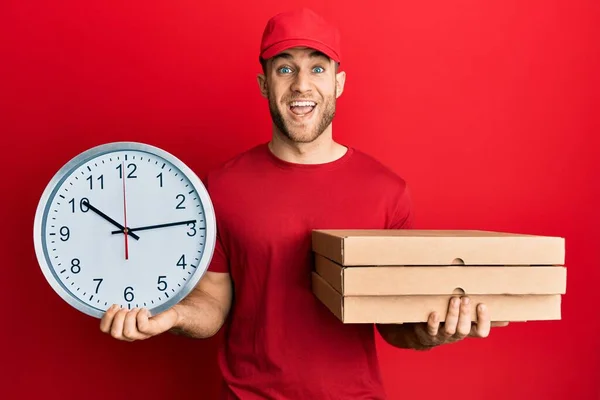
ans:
(124, 223)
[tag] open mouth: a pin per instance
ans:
(302, 108)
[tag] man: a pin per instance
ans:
(280, 341)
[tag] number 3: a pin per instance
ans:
(193, 229)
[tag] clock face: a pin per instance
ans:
(124, 223)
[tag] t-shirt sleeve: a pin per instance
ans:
(403, 214)
(219, 261)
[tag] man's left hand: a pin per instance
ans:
(457, 325)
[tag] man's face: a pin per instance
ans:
(302, 87)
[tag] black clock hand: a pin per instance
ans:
(143, 228)
(109, 219)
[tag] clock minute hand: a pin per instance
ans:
(143, 228)
(109, 219)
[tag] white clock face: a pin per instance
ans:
(83, 215)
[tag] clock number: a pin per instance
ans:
(130, 175)
(159, 176)
(193, 228)
(100, 178)
(84, 201)
(131, 166)
(181, 262)
(179, 206)
(75, 267)
(81, 204)
(99, 280)
(128, 294)
(63, 233)
(160, 282)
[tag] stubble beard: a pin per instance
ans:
(303, 134)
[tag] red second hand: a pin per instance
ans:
(125, 212)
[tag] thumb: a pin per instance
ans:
(156, 324)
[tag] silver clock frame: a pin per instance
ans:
(41, 215)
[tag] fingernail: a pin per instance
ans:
(482, 307)
(455, 302)
(465, 300)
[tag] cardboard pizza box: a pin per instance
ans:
(396, 276)
(416, 308)
(437, 247)
(385, 280)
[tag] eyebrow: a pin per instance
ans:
(317, 54)
(288, 56)
(282, 55)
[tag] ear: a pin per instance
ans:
(262, 85)
(340, 80)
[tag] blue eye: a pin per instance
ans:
(285, 70)
(318, 69)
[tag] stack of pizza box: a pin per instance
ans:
(398, 276)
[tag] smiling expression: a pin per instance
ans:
(302, 86)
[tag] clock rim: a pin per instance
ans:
(96, 151)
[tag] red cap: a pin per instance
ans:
(300, 28)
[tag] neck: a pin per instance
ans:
(322, 150)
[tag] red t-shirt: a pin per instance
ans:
(280, 341)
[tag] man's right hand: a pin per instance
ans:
(136, 324)
(200, 315)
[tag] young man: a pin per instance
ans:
(280, 341)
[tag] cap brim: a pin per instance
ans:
(288, 44)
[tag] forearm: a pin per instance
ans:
(199, 316)
(401, 335)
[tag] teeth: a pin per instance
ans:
(303, 104)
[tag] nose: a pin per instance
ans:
(301, 82)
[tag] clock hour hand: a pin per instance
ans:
(109, 219)
(143, 228)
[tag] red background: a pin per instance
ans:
(488, 109)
